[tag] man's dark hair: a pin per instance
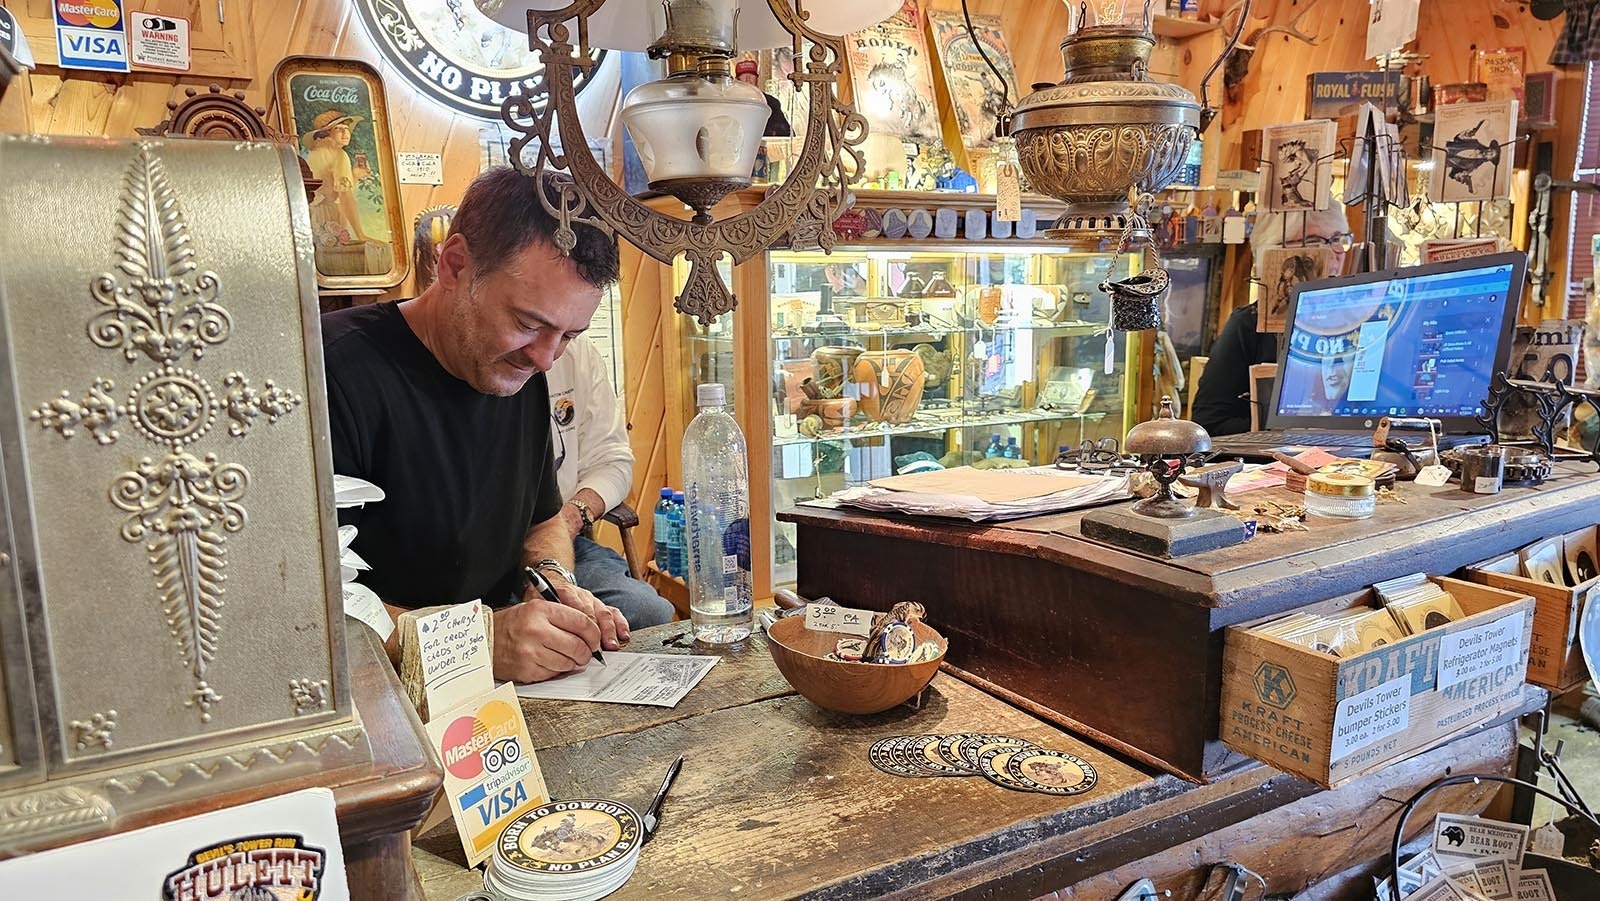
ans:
(500, 214)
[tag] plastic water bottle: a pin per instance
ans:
(994, 449)
(1012, 451)
(663, 516)
(716, 478)
(675, 554)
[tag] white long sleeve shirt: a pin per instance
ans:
(591, 434)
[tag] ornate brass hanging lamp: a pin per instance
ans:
(1107, 130)
(697, 130)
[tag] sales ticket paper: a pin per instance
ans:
(659, 680)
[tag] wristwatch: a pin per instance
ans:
(584, 514)
(556, 567)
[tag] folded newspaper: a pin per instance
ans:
(985, 495)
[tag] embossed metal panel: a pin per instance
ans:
(165, 446)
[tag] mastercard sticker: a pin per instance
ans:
(91, 34)
(491, 774)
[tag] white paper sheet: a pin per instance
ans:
(1077, 494)
(658, 680)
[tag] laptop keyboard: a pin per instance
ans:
(1298, 437)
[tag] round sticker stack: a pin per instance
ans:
(566, 850)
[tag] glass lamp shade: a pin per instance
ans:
(700, 127)
(636, 24)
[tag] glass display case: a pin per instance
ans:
(884, 357)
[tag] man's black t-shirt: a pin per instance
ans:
(465, 474)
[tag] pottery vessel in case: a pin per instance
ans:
(890, 384)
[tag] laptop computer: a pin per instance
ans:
(1419, 341)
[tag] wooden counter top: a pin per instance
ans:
(778, 800)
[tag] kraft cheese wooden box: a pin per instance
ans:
(1555, 659)
(1330, 720)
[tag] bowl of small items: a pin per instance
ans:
(851, 674)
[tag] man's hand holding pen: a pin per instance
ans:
(537, 640)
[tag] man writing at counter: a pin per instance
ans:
(441, 401)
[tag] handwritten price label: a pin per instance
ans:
(828, 618)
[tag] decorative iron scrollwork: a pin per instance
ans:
(830, 156)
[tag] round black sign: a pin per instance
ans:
(454, 53)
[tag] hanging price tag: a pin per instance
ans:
(1111, 352)
(1007, 193)
(1433, 476)
(1007, 182)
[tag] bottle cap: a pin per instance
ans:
(666, 493)
(677, 497)
(712, 395)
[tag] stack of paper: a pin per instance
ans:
(986, 495)
(359, 600)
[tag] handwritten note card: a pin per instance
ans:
(456, 659)
(828, 618)
(419, 168)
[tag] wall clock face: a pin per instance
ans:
(454, 53)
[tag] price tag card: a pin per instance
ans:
(456, 659)
(828, 618)
(1472, 652)
(1365, 718)
(417, 168)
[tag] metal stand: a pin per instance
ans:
(1553, 401)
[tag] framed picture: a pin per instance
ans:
(335, 111)
(1539, 100)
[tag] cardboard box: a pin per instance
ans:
(1330, 720)
(1555, 658)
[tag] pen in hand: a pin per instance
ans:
(548, 591)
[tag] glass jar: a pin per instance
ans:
(1340, 495)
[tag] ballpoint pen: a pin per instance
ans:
(548, 591)
(652, 816)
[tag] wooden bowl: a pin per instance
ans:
(842, 685)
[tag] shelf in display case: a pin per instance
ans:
(930, 424)
(923, 334)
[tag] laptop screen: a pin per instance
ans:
(1423, 341)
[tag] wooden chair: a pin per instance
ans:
(1261, 378)
(1197, 365)
(624, 518)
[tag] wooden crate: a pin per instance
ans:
(1555, 659)
(1330, 720)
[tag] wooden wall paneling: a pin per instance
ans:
(753, 389)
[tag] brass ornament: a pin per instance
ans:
(308, 695)
(830, 156)
(95, 732)
(158, 304)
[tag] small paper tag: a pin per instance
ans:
(364, 604)
(828, 618)
(1548, 840)
(1007, 192)
(1111, 354)
(1433, 476)
(1485, 485)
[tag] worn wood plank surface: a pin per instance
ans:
(743, 675)
(778, 800)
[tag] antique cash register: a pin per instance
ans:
(171, 625)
